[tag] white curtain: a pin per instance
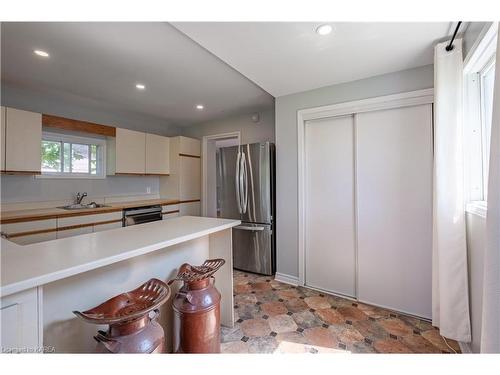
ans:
(450, 297)
(490, 331)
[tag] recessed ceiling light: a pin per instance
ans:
(199, 106)
(41, 53)
(324, 29)
(140, 86)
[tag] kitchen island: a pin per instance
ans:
(42, 283)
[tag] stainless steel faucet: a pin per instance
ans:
(79, 197)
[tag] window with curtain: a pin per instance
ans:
(479, 79)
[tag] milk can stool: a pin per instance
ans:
(131, 329)
(197, 309)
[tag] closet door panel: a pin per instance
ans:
(394, 208)
(329, 203)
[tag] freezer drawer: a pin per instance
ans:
(253, 248)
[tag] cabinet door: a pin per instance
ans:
(189, 209)
(74, 232)
(23, 141)
(103, 227)
(34, 238)
(21, 327)
(329, 202)
(15, 229)
(189, 146)
(189, 178)
(157, 154)
(2, 139)
(394, 191)
(130, 152)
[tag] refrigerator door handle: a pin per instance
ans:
(244, 185)
(237, 182)
(253, 229)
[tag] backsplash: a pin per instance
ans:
(24, 192)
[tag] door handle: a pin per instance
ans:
(245, 185)
(253, 229)
(237, 182)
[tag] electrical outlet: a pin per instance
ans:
(148, 189)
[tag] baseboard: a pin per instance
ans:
(465, 347)
(286, 279)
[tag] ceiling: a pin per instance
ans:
(104, 62)
(289, 57)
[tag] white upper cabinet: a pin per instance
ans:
(22, 132)
(2, 139)
(157, 154)
(127, 152)
(189, 146)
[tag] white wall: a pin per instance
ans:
(251, 132)
(286, 144)
(26, 189)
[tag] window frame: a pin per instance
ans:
(479, 60)
(73, 139)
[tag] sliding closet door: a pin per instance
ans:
(394, 208)
(329, 205)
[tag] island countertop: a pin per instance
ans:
(24, 267)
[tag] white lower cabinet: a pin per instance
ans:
(74, 232)
(189, 209)
(21, 330)
(108, 226)
(20, 232)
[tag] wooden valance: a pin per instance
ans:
(77, 125)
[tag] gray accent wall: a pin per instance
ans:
(251, 132)
(286, 145)
(80, 108)
(18, 189)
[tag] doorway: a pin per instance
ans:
(210, 183)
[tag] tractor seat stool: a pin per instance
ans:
(132, 329)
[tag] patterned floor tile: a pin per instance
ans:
(330, 316)
(282, 323)
(273, 317)
(317, 302)
(320, 336)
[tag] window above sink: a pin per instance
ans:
(69, 156)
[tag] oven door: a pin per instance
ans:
(141, 218)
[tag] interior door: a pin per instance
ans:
(329, 203)
(394, 202)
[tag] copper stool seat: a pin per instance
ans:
(131, 329)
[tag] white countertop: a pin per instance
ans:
(24, 267)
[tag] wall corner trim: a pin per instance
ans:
(286, 279)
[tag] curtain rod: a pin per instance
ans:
(449, 47)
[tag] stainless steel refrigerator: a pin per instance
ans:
(246, 191)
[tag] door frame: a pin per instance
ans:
(405, 99)
(204, 166)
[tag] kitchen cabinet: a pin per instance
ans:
(21, 322)
(84, 224)
(157, 154)
(2, 139)
(126, 153)
(171, 210)
(184, 182)
(107, 226)
(28, 232)
(22, 134)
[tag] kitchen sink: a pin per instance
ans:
(83, 206)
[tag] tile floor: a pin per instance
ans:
(272, 317)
